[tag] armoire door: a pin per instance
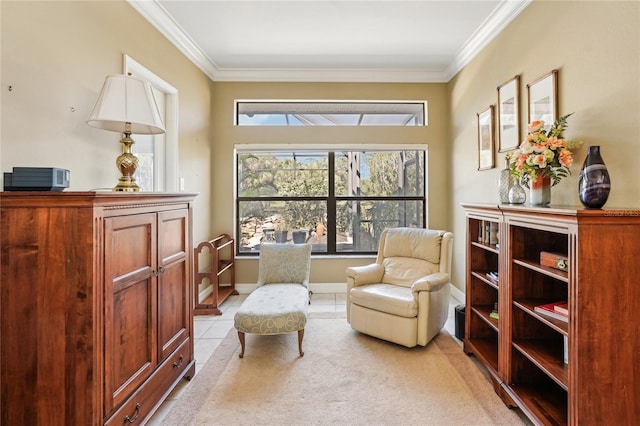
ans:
(130, 334)
(174, 297)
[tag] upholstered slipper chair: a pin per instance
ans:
(404, 296)
(279, 304)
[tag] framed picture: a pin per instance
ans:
(509, 115)
(542, 97)
(485, 139)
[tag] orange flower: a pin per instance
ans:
(534, 126)
(555, 143)
(565, 157)
(540, 147)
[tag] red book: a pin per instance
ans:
(549, 310)
(562, 308)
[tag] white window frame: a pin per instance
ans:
(318, 103)
(167, 179)
(243, 148)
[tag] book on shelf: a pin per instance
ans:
(562, 308)
(548, 309)
(488, 232)
(494, 312)
(493, 233)
(565, 354)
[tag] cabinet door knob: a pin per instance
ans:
(162, 269)
(135, 416)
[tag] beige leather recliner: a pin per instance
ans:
(404, 296)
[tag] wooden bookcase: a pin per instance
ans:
(214, 261)
(524, 351)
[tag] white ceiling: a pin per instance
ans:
(322, 40)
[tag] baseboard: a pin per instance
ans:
(456, 294)
(205, 293)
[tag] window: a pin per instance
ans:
(157, 154)
(330, 113)
(339, 201)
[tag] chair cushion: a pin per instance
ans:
(405, 270)
(284, 263)
(387, 298)
(273, 309)
(413, 242)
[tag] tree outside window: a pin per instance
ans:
(339, 202)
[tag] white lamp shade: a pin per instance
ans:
(126, 99)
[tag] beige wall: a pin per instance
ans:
(225, 135)
(595, 46)
(55, 55)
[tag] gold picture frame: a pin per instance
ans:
(508, 115)
(486, 142)
(542, 99)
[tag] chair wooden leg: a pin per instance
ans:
(300, 337)
(241, 337)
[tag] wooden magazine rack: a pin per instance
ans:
(221, 252)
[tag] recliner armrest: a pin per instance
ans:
(433, 282)
(367, 274)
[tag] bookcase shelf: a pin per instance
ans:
(543, 354)
(579, 371)
(537, 267)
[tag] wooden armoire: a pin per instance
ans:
(96, 305)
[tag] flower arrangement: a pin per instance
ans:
(543, 153)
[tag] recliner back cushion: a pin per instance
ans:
(413, 242)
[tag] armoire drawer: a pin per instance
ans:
(145, 400)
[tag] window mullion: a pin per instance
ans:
(331, 206)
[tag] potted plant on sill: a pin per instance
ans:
(281, 232)
(297, 216)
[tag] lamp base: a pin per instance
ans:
(126, 184)
(127, 163)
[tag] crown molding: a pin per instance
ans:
(157, 15)
(492, 26)
(330, 75)
(153, 12)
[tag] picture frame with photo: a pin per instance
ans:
(486, 143)
(508, 115)
(542, 99)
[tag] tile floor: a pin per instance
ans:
(209, 330)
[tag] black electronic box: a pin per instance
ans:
(36, 179)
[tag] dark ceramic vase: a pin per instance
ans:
(594, 183)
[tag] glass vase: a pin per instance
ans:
(594, 183)
(505, 182)
(540, 190)
(517, 194)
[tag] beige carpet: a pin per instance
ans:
(344, 378)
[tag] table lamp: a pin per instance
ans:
(126, 104)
